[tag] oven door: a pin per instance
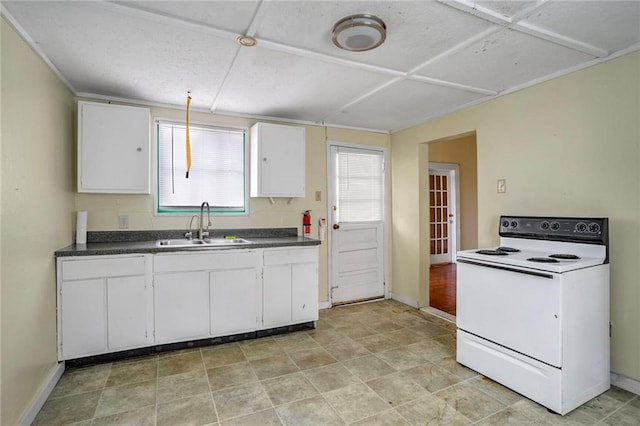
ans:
(513, 307)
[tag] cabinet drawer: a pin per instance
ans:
(297, 255)
(98, 268)
(180, 262)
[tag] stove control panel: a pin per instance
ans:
(592, 230)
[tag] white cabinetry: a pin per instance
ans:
(290, 286)
(114, 303)
(277, 160)
(104, 305)
(204, 294)
(181, 306)
(113, 148)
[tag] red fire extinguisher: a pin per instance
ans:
(306, 224)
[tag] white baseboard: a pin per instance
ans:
(404, 299)
(625, 383)
(324, 305)
(30, 414)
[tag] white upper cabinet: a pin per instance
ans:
(277, 160)
(113, 148)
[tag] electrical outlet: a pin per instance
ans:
(318, 195)
(502, 186)
(123, 222)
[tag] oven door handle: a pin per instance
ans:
(506, 268)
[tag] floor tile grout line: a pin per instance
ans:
(617, 409)
(213, 401)
(155, 411)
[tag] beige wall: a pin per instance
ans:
(37, 204)
(103, 209)
(567, 147)
(462, 151)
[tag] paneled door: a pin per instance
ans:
(356, 223)
(442, 214)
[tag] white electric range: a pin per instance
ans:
(533, 313)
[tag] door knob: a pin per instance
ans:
(336, 226)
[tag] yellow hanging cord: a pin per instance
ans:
(188, 140)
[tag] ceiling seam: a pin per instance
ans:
(516, 23)
(553, 37)
(251, 30)
(452, 85)
(165, 17)
(595, 61)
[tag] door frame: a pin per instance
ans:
(454, 179)
(387, 214)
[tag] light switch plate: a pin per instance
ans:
(123, 222)
(502, 186)
(318, 195)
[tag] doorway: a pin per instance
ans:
(443, 235)
(357, 223)
(451, 166)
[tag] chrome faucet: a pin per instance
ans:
(189, 235)
(202, 234)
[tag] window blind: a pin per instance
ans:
(217, 172)
(360, 185)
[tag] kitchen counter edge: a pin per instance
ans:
(150, 247)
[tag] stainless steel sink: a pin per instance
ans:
(213, 242)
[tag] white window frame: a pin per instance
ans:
(190, 212)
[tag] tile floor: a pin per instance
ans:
(380, 363)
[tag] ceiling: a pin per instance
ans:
(439, 56)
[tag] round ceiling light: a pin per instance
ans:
(359, 33)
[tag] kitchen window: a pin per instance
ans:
(218, 169)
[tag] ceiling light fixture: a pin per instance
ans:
(358, 33)
(246, 41)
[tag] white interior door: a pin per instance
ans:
(356, 223)
(442, 212)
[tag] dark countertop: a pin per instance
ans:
(129, 242)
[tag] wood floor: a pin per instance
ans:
(442, 287)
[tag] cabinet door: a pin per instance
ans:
(235, 303)
(276, 295)
(83, 311)
(127, 312)
(304, 292)
(113, 148)
(279, 160)
(181, 306)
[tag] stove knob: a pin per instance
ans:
(514, 224)
(544, 225)
(581, 227)
(555, 226)
(505, 223)
(594, 228)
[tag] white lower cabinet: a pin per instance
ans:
(205, 294)
(114, 303)
(304, 292)
(103, 305)
(276, 299)
(290, 286)
(127, 318)
(83, 319)
(235, 300)
(181, 306)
